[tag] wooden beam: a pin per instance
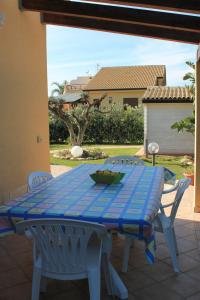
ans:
(198, 53)
(197, 138)
(124, 28)
(114, 13)
(188, 6)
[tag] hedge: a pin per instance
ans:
(119, 126)
(58, 132)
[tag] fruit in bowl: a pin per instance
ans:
(107, 176)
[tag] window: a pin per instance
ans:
(130, 101)
(159, 81)
(110, 100)
(96, 104)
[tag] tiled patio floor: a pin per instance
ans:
(143, 281)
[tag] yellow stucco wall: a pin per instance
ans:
(117, 96)
(197, 139)
(23, 98)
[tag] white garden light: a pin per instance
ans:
(153, 149)
(76, 151)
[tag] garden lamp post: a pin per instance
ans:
(153, 149)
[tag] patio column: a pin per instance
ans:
(24, 138)
(197, 135)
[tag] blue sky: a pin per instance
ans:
(75, 52)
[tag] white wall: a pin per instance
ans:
(158, 118)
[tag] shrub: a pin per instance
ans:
(58, 132)
(118, 126)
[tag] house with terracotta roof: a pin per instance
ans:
(163, 106)
(125, 85)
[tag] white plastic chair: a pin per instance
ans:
(163, 224)
(124, 160)
(65, 250)
(35, 179)
(170, 178)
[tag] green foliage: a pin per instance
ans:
(58, 132)
(76, 119)
(187, 124)
(118, 126)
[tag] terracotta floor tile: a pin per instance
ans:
(136, 279)
(194, 254)
(7, 263)
(143, 281)
(137, 259)
(15, 244)
(185, 262)
(23, 258)
(19, 292)
(162, 251)
(157, 292)
(11, 278)
(185, 245)
(183, 231)
(194, 273)
(183, 284)
(194, 297)
(158, 271)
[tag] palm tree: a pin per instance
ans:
(188, 124)
(59, 89)
(191, 77)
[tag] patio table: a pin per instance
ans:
(128, 207)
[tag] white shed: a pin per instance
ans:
(163, 106)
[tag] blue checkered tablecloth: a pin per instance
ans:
(128, 207)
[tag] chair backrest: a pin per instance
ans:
(183, 184)
(169, 177)
(35, 179)
(61, 244)
(124, 160)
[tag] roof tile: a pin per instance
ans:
(167, 94)
(131, 77)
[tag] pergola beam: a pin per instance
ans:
(124, 28)
(198, 54)
(197, 134)
(188, 6)
(114, 13)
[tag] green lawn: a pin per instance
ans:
(109, 151)
(171, 162)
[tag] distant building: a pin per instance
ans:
(78, 84)
(163, 106)
(74, 90)
(125, 85)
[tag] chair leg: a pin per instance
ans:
(94, 279)
(36, 284)
(127, 245)
(175, 241)
(43, 285)
(168, 233)
(105, 266)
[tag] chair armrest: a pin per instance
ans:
(166, 205)
(170, 190)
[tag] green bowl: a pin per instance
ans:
(107, 179)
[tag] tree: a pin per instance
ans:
(59, 89)
(191, 77)
(188, 124)
(76, 119)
